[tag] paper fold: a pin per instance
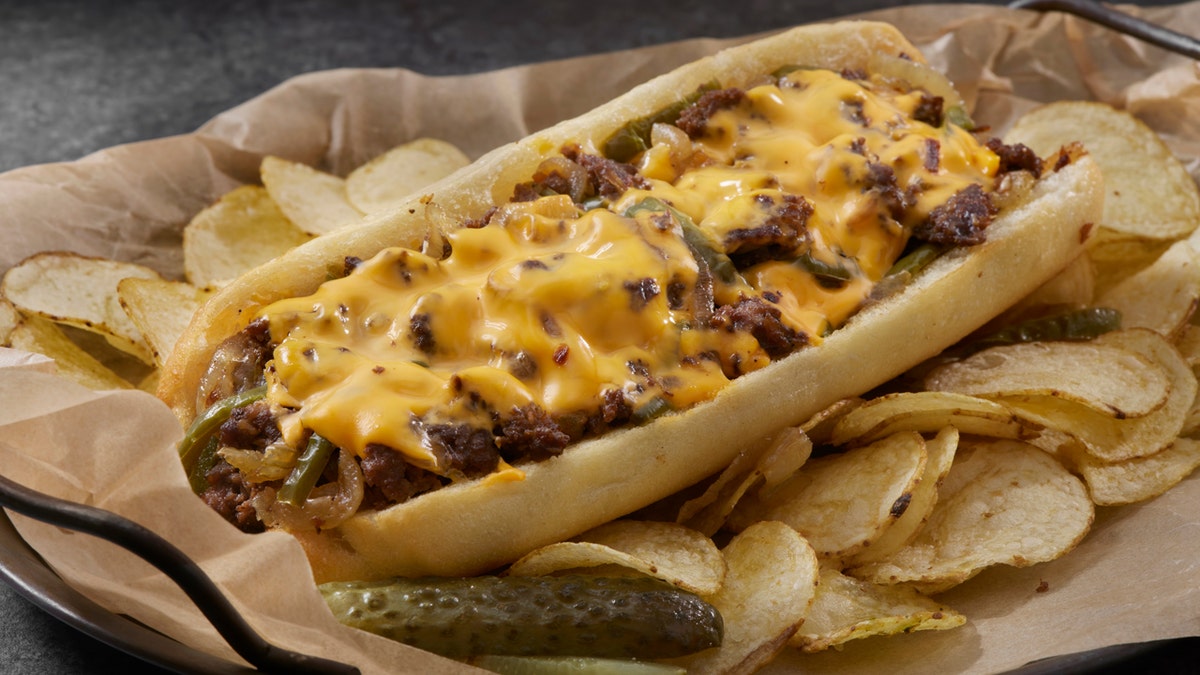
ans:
(1135, 577)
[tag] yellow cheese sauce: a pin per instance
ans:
(557, 306)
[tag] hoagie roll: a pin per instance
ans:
(606, 312)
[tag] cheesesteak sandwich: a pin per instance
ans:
(608, 311)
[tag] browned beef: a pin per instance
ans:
(530, 434)
(961, 221)
(390, 479)
(929, 110)
(881, 179)
(463, 449)
(251, 427)
(933, 155)
(754, 315)
(641, 292)
(606, 177)
(229, 495)
(1016, 157)
(422, 333)
(694, 118)
(781, 235)
(615, 411)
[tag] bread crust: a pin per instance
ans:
(474, 527)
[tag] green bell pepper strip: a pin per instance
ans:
(308, 469)
(828, 276)
(651, 410)
(915, 260)
(192, 446)
(625, 143)
(197, 474)
(720, 264)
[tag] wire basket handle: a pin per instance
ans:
(181, 569)
(1118, 21)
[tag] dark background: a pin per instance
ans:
(79, 76)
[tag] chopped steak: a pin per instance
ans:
(961, 221)
(229, 495)
(694, 119)
(764, 322)
(250, 427)
(463, 449)
(1017, 157)
(529, 433)
(387, 473)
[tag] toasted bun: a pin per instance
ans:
(474, 527)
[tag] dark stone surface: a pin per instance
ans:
(79, 76)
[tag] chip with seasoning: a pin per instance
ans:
(877, 479)
(398, 173)
(678, 555)
(78, 291)
(847, 609)
(1003, 502)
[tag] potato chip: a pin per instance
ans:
(161, 310)
(1191, 421)
(1161, 297)
(788, 452)
(671, 552)
(785, 454)
(819, 427)
(401, 172)
(1003, 502)
(731, 480)
(770, 585)
(928, 412)
(1108, 438)
(1188, 344)
(35, 334)
(78, 291)
(9, 318)
(941, 450)
(314, 200)
(244, 229)
(843, 502)
(1139, 479)
(1116, 256)
(1149, 192)
(149, 383)
(847, 609)
(1099, 374)
(1074, 286)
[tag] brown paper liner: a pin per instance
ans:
(1136, 577)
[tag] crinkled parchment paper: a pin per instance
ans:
(1136, 577)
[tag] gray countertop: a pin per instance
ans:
(80, 76)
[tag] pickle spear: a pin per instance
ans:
(583, 665)
(607, 617)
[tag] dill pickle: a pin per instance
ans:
(1072, 325)
(605, 617)
(584, 665)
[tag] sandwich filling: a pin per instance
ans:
(753, 223)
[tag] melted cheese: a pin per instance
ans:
(555, 306)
